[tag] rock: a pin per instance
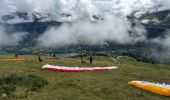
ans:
(4, 95)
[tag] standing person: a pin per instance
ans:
(54, 56)
(91, 59)
(81, 58)
(16, 55)
(39, 58)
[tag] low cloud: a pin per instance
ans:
(112, 28)
(7, 39)
(161, 50)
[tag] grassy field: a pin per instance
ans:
(108, 85)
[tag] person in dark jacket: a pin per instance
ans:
(91, 59)
(16, 55)
(81, 58)
(54, 55)
(39, 58)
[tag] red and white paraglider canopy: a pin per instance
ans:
(77, 69)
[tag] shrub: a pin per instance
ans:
(12, 82)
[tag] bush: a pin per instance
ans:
(12, 82)
(5, 88)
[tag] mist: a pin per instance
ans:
(7, 39)
(86, 32)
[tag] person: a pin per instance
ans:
(54, 56)
(91, 59)
(39, 58)
(81, 58)
(16, 55)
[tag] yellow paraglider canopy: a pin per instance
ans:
(161, 89)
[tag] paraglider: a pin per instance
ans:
(161, 89)
(77, 69)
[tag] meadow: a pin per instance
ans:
(106, 85)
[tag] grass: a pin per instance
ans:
(108, 85)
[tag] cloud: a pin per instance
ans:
(112, 28)
(160, 51)
(83, 8)
(163, 41)
(138, 7)
(7, 39)
(77, 8)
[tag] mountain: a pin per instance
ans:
(161, 19)
(36, 24)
